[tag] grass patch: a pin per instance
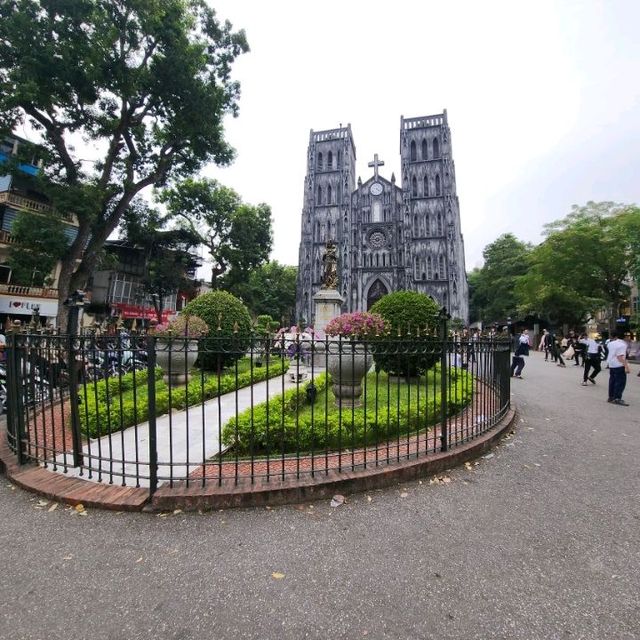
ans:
(118, 403)
(288, 423)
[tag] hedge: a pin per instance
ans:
(115, 409)
(289, 427)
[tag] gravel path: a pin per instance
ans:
(540, 540)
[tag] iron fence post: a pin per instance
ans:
(151, 397)
(74, 398)
(444, 391)
(14, 424)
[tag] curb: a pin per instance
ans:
(61, 488)
(294, 491)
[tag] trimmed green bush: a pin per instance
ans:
(408, 313)
(108, 407)
(229, 328)
(285, 423)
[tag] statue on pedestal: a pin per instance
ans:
(330, 260)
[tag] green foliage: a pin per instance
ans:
(287, 423)
(584, 264)
(265, 324)
(38, 242)
(229, 328)
(112, 405)
(268, 289)
(492, 294)
(167, 253)
(407, 312)
(237, 235)
(148, 83)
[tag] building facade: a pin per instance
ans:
(118, 293)
(389, 236)
(19, 193)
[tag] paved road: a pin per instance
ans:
(539, 541)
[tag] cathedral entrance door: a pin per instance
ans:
(376, 291)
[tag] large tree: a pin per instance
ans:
(37, 244)
(492, 288)
(168, 257)
(237, 236)
(584, 264)
(144, 84)
(268, 290)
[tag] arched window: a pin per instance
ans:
(414, 155)
(319, 162)
(377, 259)
(437, 184)
(328, 229)
(429, 268)
(436, 148)
(440, 231)
(330, 160)
(319, 198)
(425, 187)
(416, 268)
(329, 200)
(384, 259)
(317, 231)
(414, 187)
(425, 149)
(339, 160)
(441, 266)
(415, 225)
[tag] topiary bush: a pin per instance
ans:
(409, 350)
(229, 328)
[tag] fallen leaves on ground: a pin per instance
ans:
(440, 480)
(53, 507)
(276, 575)
(404, 494)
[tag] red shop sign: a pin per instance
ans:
(131, 311)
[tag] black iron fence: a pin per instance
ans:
(155, 410)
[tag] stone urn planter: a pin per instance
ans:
(348, 362)
(176, 357)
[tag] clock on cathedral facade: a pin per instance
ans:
(389, 236)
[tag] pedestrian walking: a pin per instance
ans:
(592, 359)
(517, 363)
(547, 342)
(618, 369)
(556, 351)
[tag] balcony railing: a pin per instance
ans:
(5, 237)
(20, 202)
(34, 292)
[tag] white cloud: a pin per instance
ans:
(531, 90)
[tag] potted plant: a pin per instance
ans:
(348, 357)
(177, 347)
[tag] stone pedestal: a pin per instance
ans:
(327, 303)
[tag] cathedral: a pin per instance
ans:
(389, 236)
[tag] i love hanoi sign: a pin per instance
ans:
(26, 306)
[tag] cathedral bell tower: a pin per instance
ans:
(330, 179)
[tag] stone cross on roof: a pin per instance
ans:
(375, 164)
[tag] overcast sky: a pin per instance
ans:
(542, 97)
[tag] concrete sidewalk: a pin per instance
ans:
(184, 438)
(539, 541)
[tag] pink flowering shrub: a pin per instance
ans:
(184, 326)
(357, 325)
